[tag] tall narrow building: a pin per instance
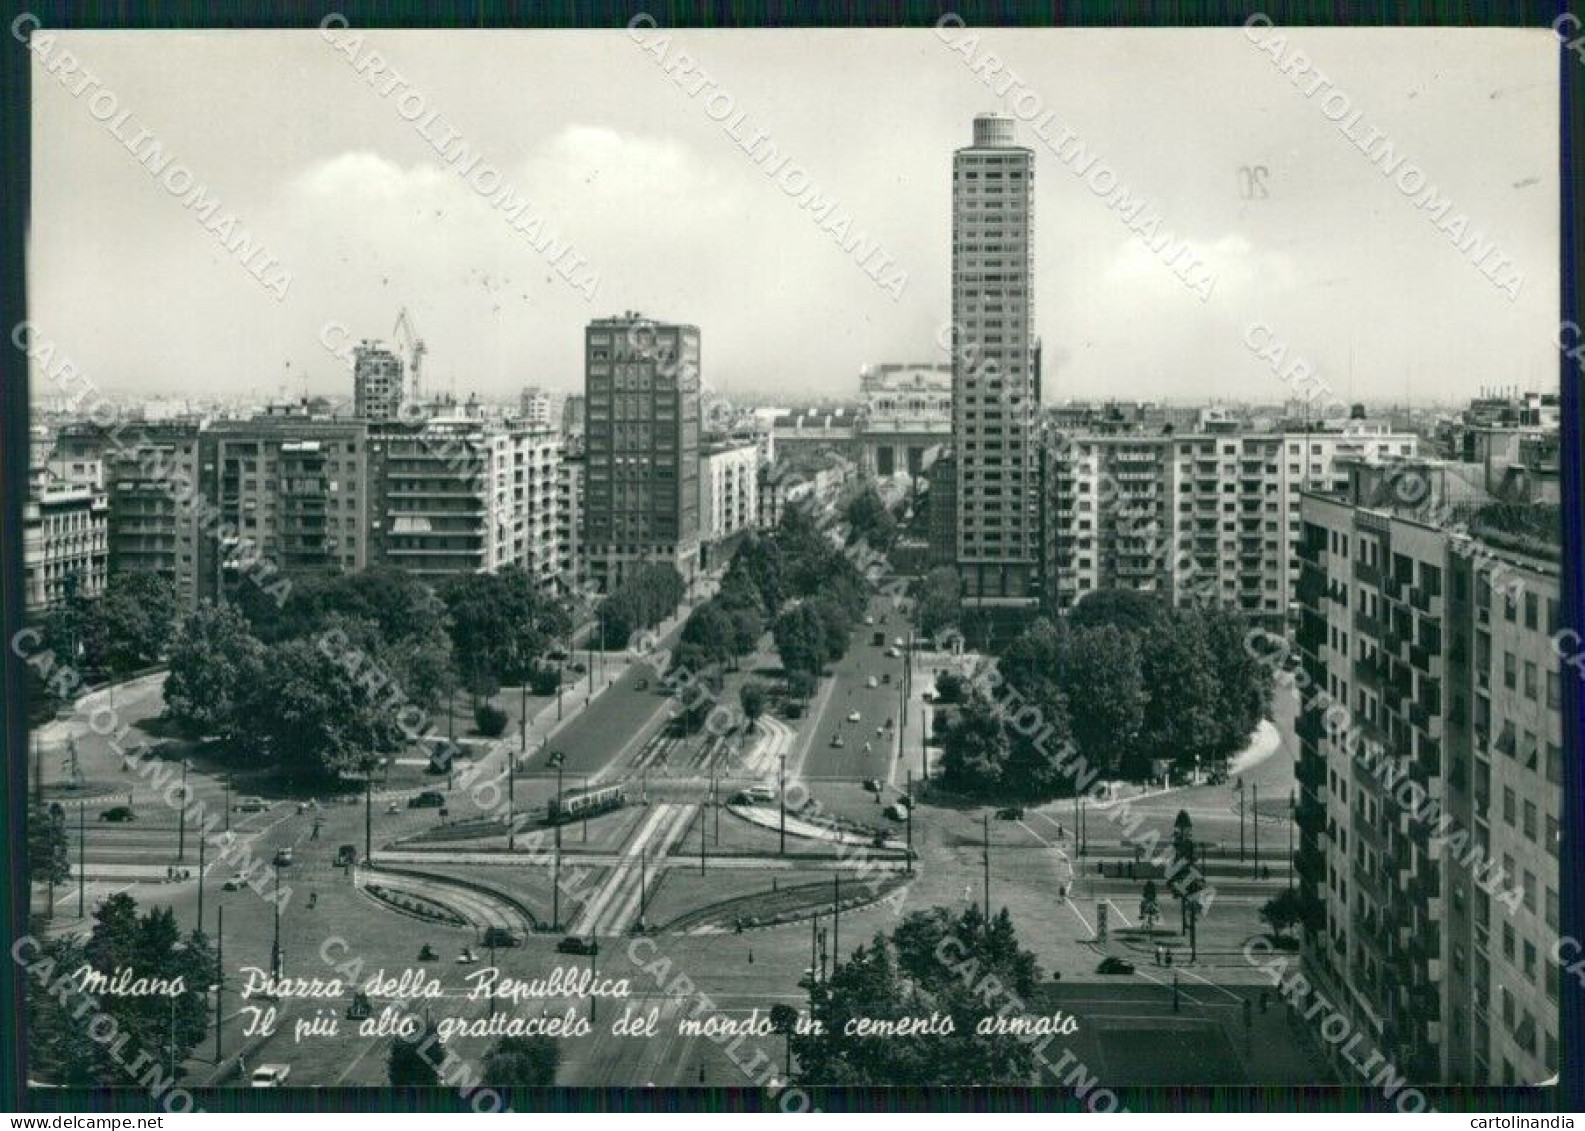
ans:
(641, 497)
(995, 398)
(377, 383)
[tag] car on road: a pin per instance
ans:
(500, 936)
(878, 639)
(572, 944)
(641, 685)
(872, 683)
(1010, 813)
(252, 805)
(869, 620)
(896, 811)
(235, 882)
(283, 858)
(854, 716)
(892, 653)
(429, 799)
(346, 854)
(1111, 964)
(886, 677)
(899, 643)
(578, 666)
(836, 742)
(556, 654)
(270, 1075)
(118, 813)
(872, 784)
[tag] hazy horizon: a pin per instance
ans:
(679, 222)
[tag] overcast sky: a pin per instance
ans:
(678, 222)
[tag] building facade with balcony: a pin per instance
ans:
(1430, 770)
(642, 442)
(65, 534)
(1203, 518)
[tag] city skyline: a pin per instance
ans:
(365, 217)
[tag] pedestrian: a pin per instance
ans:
(170, 873)
(1169, 956)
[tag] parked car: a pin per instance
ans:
(1010, 813)
(892, 653)
(1114, 965)
(572, 944)
(271, 1075)
(429, 799)
(896, 811)
(346, 854)
(118, 813)
(500, 936)
(854, 716)
(283, 858)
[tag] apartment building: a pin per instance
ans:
(65, 533)
(378, 388)
(1431, 790)
(728, 490)
(995, 384)
(458, 494)
(534, 407)
(159, 519)
(1206, 517)
(570, 475)
(642, 446)
(291, 490)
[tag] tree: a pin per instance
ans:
(975, 751)
(1180, 669)
(905, 976)
(800, 685)
(1283, 911)
(500, 625)
(951, 687)
(869, 520)
(138, 611)
(214, 663)
(1126, 609)
(709, 629)
(752, 696)
(408, 1064)
(800, 640)
(1106, 697)
(939, 605)
(1149, 907)
(522, 1062)
(49, 859)
(167, 1025)
(784, 1020)
(311, 715)
(1243, 682)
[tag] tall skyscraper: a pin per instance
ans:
(377, 387)
(642, 446)
(994, 394)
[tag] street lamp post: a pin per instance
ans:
(275, 945)
(181, 819)
(1240, 820)
(82, 862)
(556, 759)
(1254, 821)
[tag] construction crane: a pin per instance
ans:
(415, 347)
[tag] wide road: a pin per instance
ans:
(863, 662)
